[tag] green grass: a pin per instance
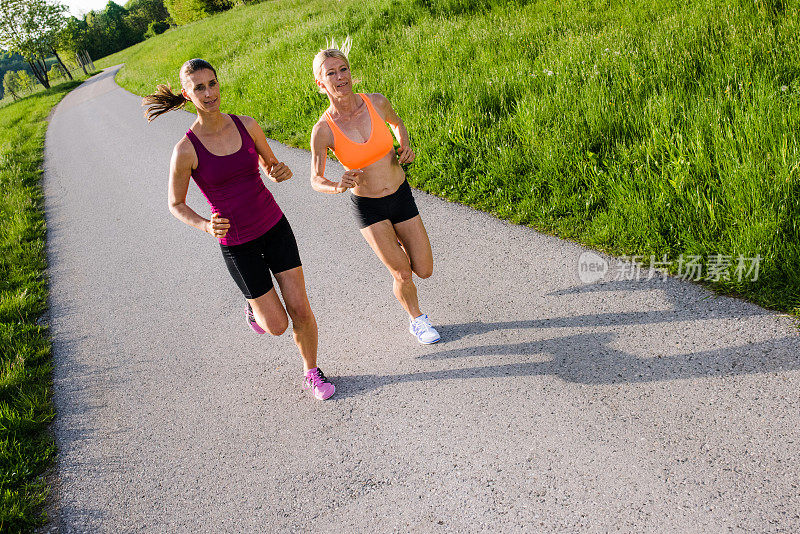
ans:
(642, 128)
(26, 447)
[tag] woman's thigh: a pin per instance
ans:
(382, 238)
(414, 237)
(248, 268)
(293, 290)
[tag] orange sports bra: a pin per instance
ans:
(358, 155)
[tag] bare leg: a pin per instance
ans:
(383, 239)
(269, 312)
(304, 324)
(414, 238)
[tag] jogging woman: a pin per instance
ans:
(222, 153)
(354, 128)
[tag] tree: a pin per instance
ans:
(74, 38)
(185, 11)
(10, 61)
(49, 18)
(109, 30)
(11, 84)
(15, 36)
(142, 13)
(57, 71)
(24, 80)
(30, 27)
(113, 23)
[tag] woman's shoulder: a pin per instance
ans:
(379, 102)
(249, 123)
(184, 151)
(377, 99)
(246, 121)
(184, 145)
(321, 127)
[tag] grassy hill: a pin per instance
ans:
(642, 128)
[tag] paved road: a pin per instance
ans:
(550, 405)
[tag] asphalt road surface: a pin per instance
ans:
(550, 404)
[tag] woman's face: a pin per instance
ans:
(334, 77)
(202, 88)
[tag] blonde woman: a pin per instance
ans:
(222, 153)
(354, 128)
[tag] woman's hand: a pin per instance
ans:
(349, 179)
(405, 155)
(279, 172)
(217, 226)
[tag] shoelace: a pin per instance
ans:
(316, 377)
(420, 323)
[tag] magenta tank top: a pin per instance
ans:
(233, 188)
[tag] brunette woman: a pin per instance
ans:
(222, 153)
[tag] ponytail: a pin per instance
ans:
(162, 101)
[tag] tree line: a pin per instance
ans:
(31, 31)
(116, 27)
(39, 33)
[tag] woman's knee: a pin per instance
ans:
(424, 271)
(277, 325)
(402, 275)
(274, 323)
(301, 315)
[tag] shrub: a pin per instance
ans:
(185, 11)
(156, 27)
(55, 72)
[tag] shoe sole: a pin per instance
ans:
(254, 326)
(255, 329)
(320, 398)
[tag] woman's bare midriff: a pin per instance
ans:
(381, 178)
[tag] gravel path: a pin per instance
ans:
(550, 405)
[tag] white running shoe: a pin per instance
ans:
(422, 329)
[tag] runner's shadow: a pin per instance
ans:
(453, 332)
(728, 308)
(590, 359)
(617, 285)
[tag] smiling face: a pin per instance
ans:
(202, 88)
(334, 77)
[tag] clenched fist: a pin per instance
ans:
(217, 226)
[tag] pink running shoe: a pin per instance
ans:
(319, 385)
(251, 320)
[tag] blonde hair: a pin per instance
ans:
(340, 51)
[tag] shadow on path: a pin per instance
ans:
(589, 359)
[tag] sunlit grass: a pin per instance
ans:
(26, 447)
(636, 127)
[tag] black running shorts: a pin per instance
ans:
(397, 207)
(250, 263)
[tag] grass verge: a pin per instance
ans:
(26, 446)
(650, 128)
